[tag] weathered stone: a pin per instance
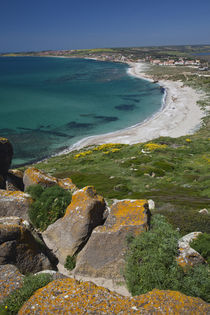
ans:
(19, 247)
(151, 204)
(2, 182)
(14, 180)
(10, 280)
(14, 203)
(187, 255)
(6, 153)
(66, 183)
(69, 296)
(33, 176)
(68, 234)
(103, 255)
(203, 211)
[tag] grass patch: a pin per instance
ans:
(70, 262)
(202, 246)
(49, 205)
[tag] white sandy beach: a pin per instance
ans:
(179, 116)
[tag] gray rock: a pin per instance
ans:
(10, 279)
(67, 235)
(19, 247)
(14, 203)
(103, 255)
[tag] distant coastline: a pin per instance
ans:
(180, 115)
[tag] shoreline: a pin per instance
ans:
(179, 115)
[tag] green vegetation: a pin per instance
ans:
(151, 263)
(31, 283)
(175, 176)
(70, 262)
(202, 246)
(48, 206)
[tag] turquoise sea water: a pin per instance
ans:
(48, 104)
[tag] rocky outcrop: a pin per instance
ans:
(69, 296)
(10, 280)
(6, 153)
(14, 203)
(103, 255)
(18, 246)
(33, 176)
(68, 234)
(14, 180)
(187, 255)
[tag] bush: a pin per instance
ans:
(48, 206)
(202, 246)
(151, 263)
(16, 299)
(70, 262)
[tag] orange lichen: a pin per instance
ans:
(128, 213)
(66, 183)
(18, 195)
(85, 195)
(37, 176)
(68, 296)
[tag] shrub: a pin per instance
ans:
(202, 245)
(70, 262)
(151, 263)
(48, 206)
(17, 298)
(150, 259)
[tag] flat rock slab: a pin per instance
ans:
(14, 203)
(10, 280)
(33, 176)
(68, 234)
(103, 255)
(69, 296)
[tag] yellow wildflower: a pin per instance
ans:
(153, 146)
(188, 140)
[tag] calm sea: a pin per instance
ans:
(48, 104)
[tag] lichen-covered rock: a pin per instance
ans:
(66, 183)
(6, 153)
(10, 280)
(19, 247)
(14, 203)
(69, 296)
(34, 176)
(103, 255)
(68, 234)
(14, 180)
(187, 255)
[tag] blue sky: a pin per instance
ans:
(65, 24)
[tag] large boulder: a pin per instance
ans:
(14, 203)
(68, 234)
(69, 296)
(20, 247)
(33, 176)
(103, 255)
(14, 180)
(187, 255)
(10, 280)
(6, 153)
